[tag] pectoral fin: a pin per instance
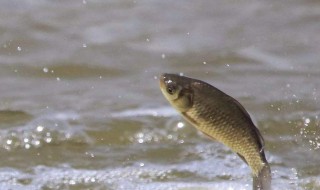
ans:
(209, 136)
(242, 158)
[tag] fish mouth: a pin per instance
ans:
(162, 80)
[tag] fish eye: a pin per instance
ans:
(171, 90)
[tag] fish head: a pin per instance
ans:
(177, 90)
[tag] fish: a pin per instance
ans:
(222, 118)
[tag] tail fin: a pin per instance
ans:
(263, 180)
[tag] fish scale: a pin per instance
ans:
(222, 128)
(221, 117)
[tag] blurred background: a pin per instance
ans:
(80, 105)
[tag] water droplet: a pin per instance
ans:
(58, 79)
(48, 140)
(180, 125)
(40, 128)
(9, 141)
(204, 62)
(84, 45)
(148, 40)
(163, 56)
(19, 48)
(140, 135)
(45, 69)
(72, 182)
(27, 146)
(307, 122)
(141, 164)
(36, 142)
(84, 2)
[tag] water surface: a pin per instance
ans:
(80, 105)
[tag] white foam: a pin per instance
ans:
(155, 112)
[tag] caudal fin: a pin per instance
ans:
(263, 180)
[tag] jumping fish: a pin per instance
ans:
(222, 118)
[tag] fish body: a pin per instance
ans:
(222, 118)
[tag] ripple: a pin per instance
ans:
(140, 178)
(65, 71)
(10, 118)
(47, 129)
(156, 112)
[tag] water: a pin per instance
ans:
(81, 106)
